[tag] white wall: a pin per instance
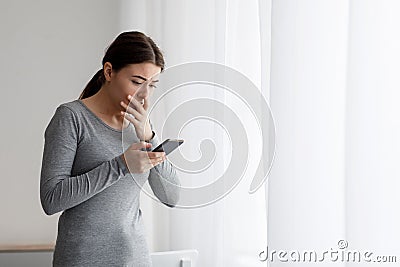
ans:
(49, 50)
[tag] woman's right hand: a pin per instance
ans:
(139, 161)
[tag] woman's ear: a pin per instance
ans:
(107, 71)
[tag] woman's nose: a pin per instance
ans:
(144, 91)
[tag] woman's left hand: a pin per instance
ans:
(137, 115)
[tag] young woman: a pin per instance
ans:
(94, 175)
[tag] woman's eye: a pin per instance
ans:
(138, 83)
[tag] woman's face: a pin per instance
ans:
(137, 80)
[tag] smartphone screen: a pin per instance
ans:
(168, 146)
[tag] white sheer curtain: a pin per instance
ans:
(333, 92)
(334, 95)
(373, 127)
(230, 232)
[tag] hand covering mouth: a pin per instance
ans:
(141, 101)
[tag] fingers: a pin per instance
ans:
(155, 154)
(140, 145)
(130, 118)
(142, 161)
(154, 158)
(138, 106)
(146, 104)
(149, 163)
(157, 160)
(148, 154)
(130, 110)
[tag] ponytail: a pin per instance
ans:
(93, 85)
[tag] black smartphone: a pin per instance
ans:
(168, 146)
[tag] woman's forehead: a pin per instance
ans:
(143, 70)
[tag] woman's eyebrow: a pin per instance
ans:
(143, 78)
(140, 77)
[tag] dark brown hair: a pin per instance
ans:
(128, 48)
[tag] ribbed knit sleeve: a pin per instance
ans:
(59, 190)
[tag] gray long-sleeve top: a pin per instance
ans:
(84, 176)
